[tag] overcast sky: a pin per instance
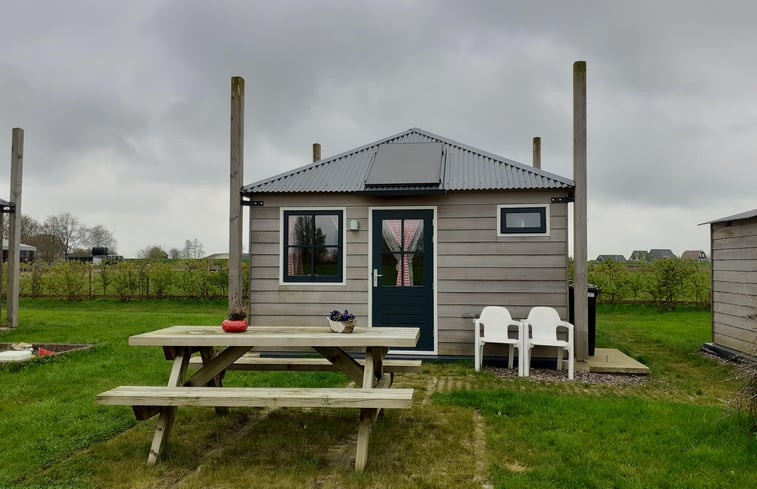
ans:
(125, 105)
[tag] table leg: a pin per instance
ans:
(168, 414)
(367, 415)
(207, 355)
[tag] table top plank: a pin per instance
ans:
(303, 336)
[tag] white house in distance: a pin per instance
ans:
(414, 229)
(734, 284)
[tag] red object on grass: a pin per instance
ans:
(43, 351)
(234, 326)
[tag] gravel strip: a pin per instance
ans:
(549, 375)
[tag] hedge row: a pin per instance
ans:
(196, 279)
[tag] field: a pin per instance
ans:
(466, 430)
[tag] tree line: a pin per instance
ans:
(61, 236)
(664, 282)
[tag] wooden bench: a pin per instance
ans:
(147, 401)
(305, 364)
(140, 395)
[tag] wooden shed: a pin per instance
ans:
(734, 283)
(414, 229)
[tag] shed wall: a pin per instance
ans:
(475, 267)
(734, 284)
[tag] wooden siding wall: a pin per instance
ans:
(475, 267)
(734, 284)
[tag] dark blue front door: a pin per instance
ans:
(403, 271)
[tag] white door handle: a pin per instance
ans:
(376, 276)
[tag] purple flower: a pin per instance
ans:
(335, 315)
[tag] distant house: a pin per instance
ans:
(660, 254)
(698, 255)
(734, 284)
(412, 230)
(617, 258)
(639, 256)
(27, 253)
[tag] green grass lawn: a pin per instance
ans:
(466, 428)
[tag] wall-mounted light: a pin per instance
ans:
(354, 225)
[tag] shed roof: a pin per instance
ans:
(735, 217)
(6, 205)
(462, 167)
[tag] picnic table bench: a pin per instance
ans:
(204, 388)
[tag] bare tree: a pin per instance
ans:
(193, 249)
(67, 228)
(100, 236)
(174, 253)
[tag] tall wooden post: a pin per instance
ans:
(2, 252)
(235, 201)
(316, 152)
(580, 233)
(537, 152)
(14, 226)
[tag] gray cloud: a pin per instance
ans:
(128, 103)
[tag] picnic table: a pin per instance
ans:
(220, 351)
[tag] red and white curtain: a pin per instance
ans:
(398, 242)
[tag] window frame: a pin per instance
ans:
(341, 245)
(504, 209)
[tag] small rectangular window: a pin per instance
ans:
(312, 246)
(523, 220)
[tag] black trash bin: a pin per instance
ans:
(593, 292)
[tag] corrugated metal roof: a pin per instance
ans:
(735, 217)
(465, 168)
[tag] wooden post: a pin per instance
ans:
(2, 253)
(580, 252)
(14, 226)
(537, 152)
(316, 152)
(235, 200)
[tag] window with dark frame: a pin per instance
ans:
(523, 220)
(312, 246)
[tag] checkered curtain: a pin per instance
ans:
(393, 235)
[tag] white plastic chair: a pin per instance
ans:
(543, 324)
(496, 322)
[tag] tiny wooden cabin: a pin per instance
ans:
(414, 229)
(734, 283)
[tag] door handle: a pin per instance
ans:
(376, 276)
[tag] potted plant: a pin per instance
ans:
(236, 322)
(341, 322)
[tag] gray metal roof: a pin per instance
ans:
(735, 217)
(464, 168)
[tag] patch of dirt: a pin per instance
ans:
(550, 375)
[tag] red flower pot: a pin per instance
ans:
(234, 326)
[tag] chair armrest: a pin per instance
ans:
(569, 327)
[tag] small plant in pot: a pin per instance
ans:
(341, 322)
(236, 323)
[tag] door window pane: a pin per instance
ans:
(416, 267)
(413, 235)
(389, 270)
